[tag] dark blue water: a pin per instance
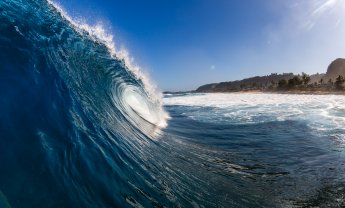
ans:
(78, 128)
(264, 150)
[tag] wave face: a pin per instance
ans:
(75, 117)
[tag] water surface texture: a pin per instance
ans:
(272, 150)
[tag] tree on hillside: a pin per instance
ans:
(282, 83)
(305, 78)
(330, 82)
(339, 82)
(295, 81)
(321, 81)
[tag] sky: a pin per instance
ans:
(183, 44)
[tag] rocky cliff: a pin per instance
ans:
(336, 68)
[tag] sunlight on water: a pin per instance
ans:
(138, 104)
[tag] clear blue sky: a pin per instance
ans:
(186, 43)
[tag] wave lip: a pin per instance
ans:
(151, 107)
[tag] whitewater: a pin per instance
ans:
(82, 126)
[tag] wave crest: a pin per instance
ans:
(157, 116)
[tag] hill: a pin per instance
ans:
(336, 68)
(276, 81)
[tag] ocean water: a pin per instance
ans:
(264, 150)
(81, 126)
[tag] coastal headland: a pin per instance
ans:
(331, 82)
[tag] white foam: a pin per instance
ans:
(137, 103)
(320, 112)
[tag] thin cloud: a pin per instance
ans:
(319, 10)
(324, 7)
(308, 35)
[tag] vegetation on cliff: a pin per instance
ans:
(333, 80)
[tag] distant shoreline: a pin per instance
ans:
(291, 92)
(281, 92)
(330, 83)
